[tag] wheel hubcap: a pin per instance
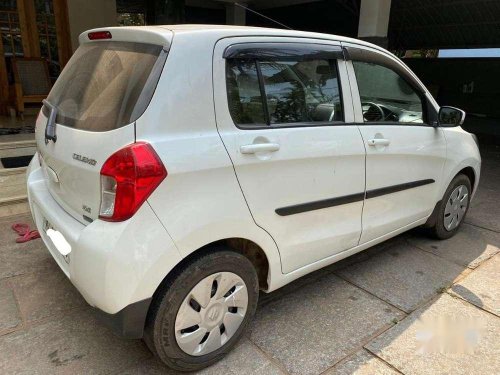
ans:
(211, 313)
(456, 206)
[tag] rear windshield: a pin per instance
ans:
(106, 85)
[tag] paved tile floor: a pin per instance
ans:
(412, 305)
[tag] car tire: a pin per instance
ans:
(443, 228)
(170, 310)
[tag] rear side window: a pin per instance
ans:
(243, 92)
(278, 92)
(106, 85)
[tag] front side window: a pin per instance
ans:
(277, 92)
(386, 96)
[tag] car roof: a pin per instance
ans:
(212, 33)
(222, 31)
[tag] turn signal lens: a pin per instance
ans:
(128, 178)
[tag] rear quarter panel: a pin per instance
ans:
(200, 201)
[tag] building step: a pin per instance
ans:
(16, 144)
(17, 148)
(14, 206)
(21, 137)
(12, 176)
(13, 192)
(5, 201)
(13, 195)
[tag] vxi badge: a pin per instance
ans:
(84, 159)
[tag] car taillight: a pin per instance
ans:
(98, 35)
(128, 178)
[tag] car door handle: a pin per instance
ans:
(259, 147)
(378, 142)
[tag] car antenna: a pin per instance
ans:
(263, 16)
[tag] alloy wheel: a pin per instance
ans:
(456, 206)
(211, 313)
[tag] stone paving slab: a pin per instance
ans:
(75, 344)
(265, 298)
(469, 247)
(485, 210)
(19, 259)
(41, 295)
(482, 287)
(409, 346)
(371, 252)
(9, 314)
(313, 328)
(246, 359)
(362, 363)
(403, 275)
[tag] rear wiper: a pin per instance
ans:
(50, 128)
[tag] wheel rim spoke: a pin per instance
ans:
(447, 221)
(464, 198)
(189, 342)
(202, 292)
(448, 210)
(232, 322)
(226, 282)
(187, 316)
(214, 341)
(452, 222)
(239, 298)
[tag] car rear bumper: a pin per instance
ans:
(115, 266)
(129, 322)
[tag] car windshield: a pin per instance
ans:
(106, 85)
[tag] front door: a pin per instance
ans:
(282, 116)
(405, 153)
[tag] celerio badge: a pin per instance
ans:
(84, 159)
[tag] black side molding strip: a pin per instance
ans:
(358, 197)
(395, 188)
(317, 205)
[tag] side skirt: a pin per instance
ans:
(283, 279)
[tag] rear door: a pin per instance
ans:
(90, 113)
(282, 113)
(405, 152)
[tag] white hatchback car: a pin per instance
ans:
(181, 169)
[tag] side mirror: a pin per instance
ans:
(450, 117)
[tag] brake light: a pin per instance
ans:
(96, 35)
(128, 178)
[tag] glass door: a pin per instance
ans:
(46, 26)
